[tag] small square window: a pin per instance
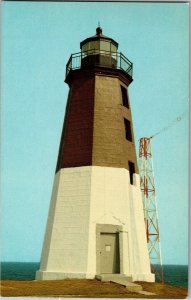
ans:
(128, 130)
(125, 99)
(107, 248)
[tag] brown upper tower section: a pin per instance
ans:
(98, 124)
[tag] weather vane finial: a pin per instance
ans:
(98, 29)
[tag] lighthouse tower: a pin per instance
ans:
(96, 222)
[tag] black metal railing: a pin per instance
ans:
(100, 58)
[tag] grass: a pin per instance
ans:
(84, 288)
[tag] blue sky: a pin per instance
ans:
(37, 40)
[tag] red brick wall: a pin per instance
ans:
(94, 130)
(77, 136)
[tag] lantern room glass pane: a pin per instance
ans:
(113, 48)
(114, 51)
(85, 47)
(105, 46)
(94, 45)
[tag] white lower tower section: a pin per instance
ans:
(86, 202)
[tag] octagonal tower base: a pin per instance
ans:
(94, 211)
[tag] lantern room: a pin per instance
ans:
(99, 49)
(99, 42)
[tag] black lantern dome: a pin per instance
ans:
(99, 42)
(99, 50)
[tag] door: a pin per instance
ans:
(109, 253)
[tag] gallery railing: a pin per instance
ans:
(100, 58)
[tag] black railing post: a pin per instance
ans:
(131, 69)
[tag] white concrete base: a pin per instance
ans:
(44, 275)
(84, 198)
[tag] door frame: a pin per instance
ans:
(107, 228)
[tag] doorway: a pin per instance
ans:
(109, 254)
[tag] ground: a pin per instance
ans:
(82, 288)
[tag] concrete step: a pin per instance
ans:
(110, 277)
(130, 286)
(146, 293)
(121, 279)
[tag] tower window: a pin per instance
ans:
(124, 97)
(131, 171)
(128, 130)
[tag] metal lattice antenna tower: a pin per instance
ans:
(150, 207)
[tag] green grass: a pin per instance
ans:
(84, 288)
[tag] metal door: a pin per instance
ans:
(109, 253)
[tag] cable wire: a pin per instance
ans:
(178, 119)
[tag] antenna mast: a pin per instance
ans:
(150, 207)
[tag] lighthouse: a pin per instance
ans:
(96, 223)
